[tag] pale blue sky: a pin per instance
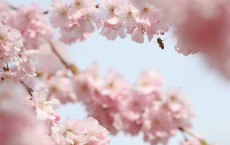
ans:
(208, 91)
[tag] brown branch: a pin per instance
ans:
(192, 134)
(58, 55)
(12, 7)
(28, 89)
(15, 9)
(46, 12)
(68, 66)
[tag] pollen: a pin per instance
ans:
(112, 11)
(1, 38)
(78, 5)
(146, 10)
(63, 13)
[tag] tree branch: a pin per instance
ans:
(28, 89)
(68, 66)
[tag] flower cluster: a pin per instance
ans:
(44, 108)
(121, 18)
(74, 19)
(80, 132)
(113, 17)
(16, 63)
(115, 103)
(201, 26)
(32, 24)
(144, 107)
(61, 87)
(18, 124)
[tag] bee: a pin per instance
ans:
(160, 43)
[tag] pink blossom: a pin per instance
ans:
(108, 8)
(18, 124)
(31, 22)
(59, 14)
(114, 88)
(80, 8)
(81, 132)
(16, 63)
(149, 82)
(112, 28)
(197, 29)
(133, 107)
(179, 107)
(11, 43)
(44, 108)
(61, 88)
(74, 19)
(106, 116)
(5, 12)
(157, 125)
(139, 30)
(87, 83)
(127, 14)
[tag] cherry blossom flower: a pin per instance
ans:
(149, 82)
(111, 26)
(16, 63)
(180, 108)
(18, 124)
(106, 116)
(32, 24)
(197, 29)
(61, 88)
(131, 112)
(157, 125)
(44, 108)
(59, 14)
(5, 12)
(74, 19)
(81, 132)
(79, 8)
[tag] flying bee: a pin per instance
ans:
(160, 43)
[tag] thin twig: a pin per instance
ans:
(68, 66)
(192, 134)
(58, 55)
(46, 12)
(15, 9)
(12, 7)
(28, 89)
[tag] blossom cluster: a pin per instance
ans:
(30, 117)
(80, 132)
(114, 18)
(18, 124)
(200, 26)
(77, 19)
(30, 21)
(209, 33)
(143, 107)
(74, 19)
(16, 63)
(32, 120)
(32, 24)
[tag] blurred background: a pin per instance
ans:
(207, 90)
